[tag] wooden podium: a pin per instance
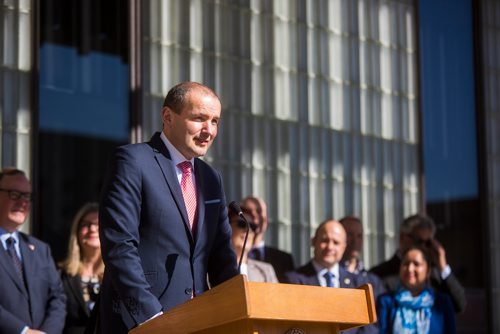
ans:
(238, 306)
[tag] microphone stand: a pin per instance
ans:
(236, 209)
(244, 241)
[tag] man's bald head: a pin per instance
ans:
(329, 243)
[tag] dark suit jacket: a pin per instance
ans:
(78, 313)
(366, 277)
(153, 262)
(388, 271)
(306, 275)
(280, 260)
(42, 305)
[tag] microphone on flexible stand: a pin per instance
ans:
(236, 209)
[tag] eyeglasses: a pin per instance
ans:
(241, 224)
(88, 224)
(16, 195)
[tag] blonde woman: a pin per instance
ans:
(82, 270)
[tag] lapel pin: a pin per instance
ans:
(32, 247)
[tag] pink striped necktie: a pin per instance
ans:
(188, 191)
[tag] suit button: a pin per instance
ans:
(188, 291)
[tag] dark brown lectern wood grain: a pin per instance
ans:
(239, 306)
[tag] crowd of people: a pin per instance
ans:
(162, 234)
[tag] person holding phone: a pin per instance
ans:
(419, 230)
(415, 307)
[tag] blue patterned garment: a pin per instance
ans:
(413, 314)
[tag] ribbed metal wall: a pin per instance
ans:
(15, 84)
(319, 106)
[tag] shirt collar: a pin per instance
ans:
(176, 156)
(320, 270)
(4, 235)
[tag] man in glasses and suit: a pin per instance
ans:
(281, 261)
(32, 298)
(256, 271)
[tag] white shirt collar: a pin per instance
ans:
(176, 156)
(4, 235)
(321, 271)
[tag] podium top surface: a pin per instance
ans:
(237, 299)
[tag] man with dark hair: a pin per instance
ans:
(419, 230)
(163, 217)
(351, 260)
(281, 261)
(32, 298)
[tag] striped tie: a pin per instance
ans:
(11, 250)
(188, 191)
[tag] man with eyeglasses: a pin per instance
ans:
(256, 271)
(32, 299)
(419, 230)
(281, 261)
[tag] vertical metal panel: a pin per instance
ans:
(318, 106)
(16, 85)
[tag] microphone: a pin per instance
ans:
(236, 209)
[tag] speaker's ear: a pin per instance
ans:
(166, 115)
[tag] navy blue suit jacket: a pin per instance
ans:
(153, 261)
(306, 275)
(42, 303)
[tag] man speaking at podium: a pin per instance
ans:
(164, 226)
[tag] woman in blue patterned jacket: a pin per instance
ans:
(415, 307)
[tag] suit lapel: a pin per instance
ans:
(8, 266)
(76, 290)
(345, 279)
(311, 274)
(29, 264)
(164, 161)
